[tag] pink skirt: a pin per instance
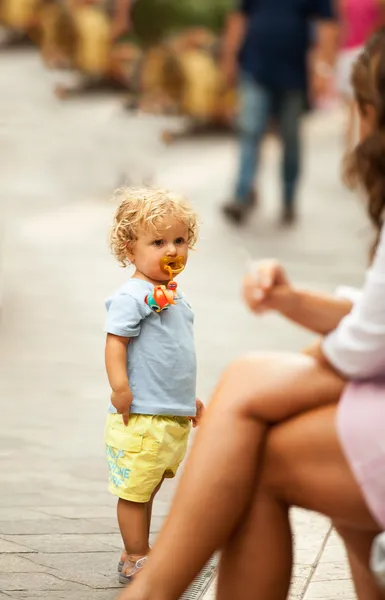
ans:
(361, 430)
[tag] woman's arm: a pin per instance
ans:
(267, 287)
(321, 313)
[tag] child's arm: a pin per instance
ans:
(196, 421)
(116, 366)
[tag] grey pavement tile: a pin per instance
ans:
(334, 550)
(330, 590)
(34, 581)
(76, 512)
(12, 563)
(101, 563)
(51, 498)
(300, 580)
(81, 594)
(111, 582)
(14, 547)
(110, 522)
(52, 525)
(310, 531)
(156, 523)
(67, 542)
(11, 513)
(298, 586)
(327, 571)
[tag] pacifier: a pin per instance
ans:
(162, 297)
(172, 265)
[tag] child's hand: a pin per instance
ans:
(122, 402)
(196, 421)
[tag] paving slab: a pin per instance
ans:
(53, 525)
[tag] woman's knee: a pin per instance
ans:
(241, 386)
(275, 386)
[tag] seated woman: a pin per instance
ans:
(285, 430)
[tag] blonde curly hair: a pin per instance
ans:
(142, 210)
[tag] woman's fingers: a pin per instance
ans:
(260, 280)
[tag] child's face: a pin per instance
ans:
(171, 241)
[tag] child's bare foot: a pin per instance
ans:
(130, 569)
(123, 559)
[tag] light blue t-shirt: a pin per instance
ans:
(161, 362)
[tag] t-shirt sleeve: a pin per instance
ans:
(349, 293)
(124, 315)
(324, 10)
(356, 347)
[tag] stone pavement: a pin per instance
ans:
(59, 164)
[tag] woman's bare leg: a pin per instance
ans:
(303, 465)
(358, 546)
(257, 560)
(220, 476)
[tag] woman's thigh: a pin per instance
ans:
(304, 465)
(272, 387)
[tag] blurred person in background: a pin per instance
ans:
(267, 46)
(121, 11)
(118, 10)
(359, 20)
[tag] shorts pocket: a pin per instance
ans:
(118, 436)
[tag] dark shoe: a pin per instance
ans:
(288, 215)
(237, 211)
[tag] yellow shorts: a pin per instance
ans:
(141, 454)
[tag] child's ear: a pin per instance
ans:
(130, 253)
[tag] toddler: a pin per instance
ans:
(150, 361)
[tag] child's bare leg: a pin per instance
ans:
(150, 505)
(123, 511)
(133, 524)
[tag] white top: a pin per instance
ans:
(357, 347)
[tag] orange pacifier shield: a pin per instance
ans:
(172, 265)
(163, 296)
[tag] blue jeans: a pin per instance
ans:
(258, 105)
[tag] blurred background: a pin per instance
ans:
(98, 94)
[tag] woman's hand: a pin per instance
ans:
(266, 287)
